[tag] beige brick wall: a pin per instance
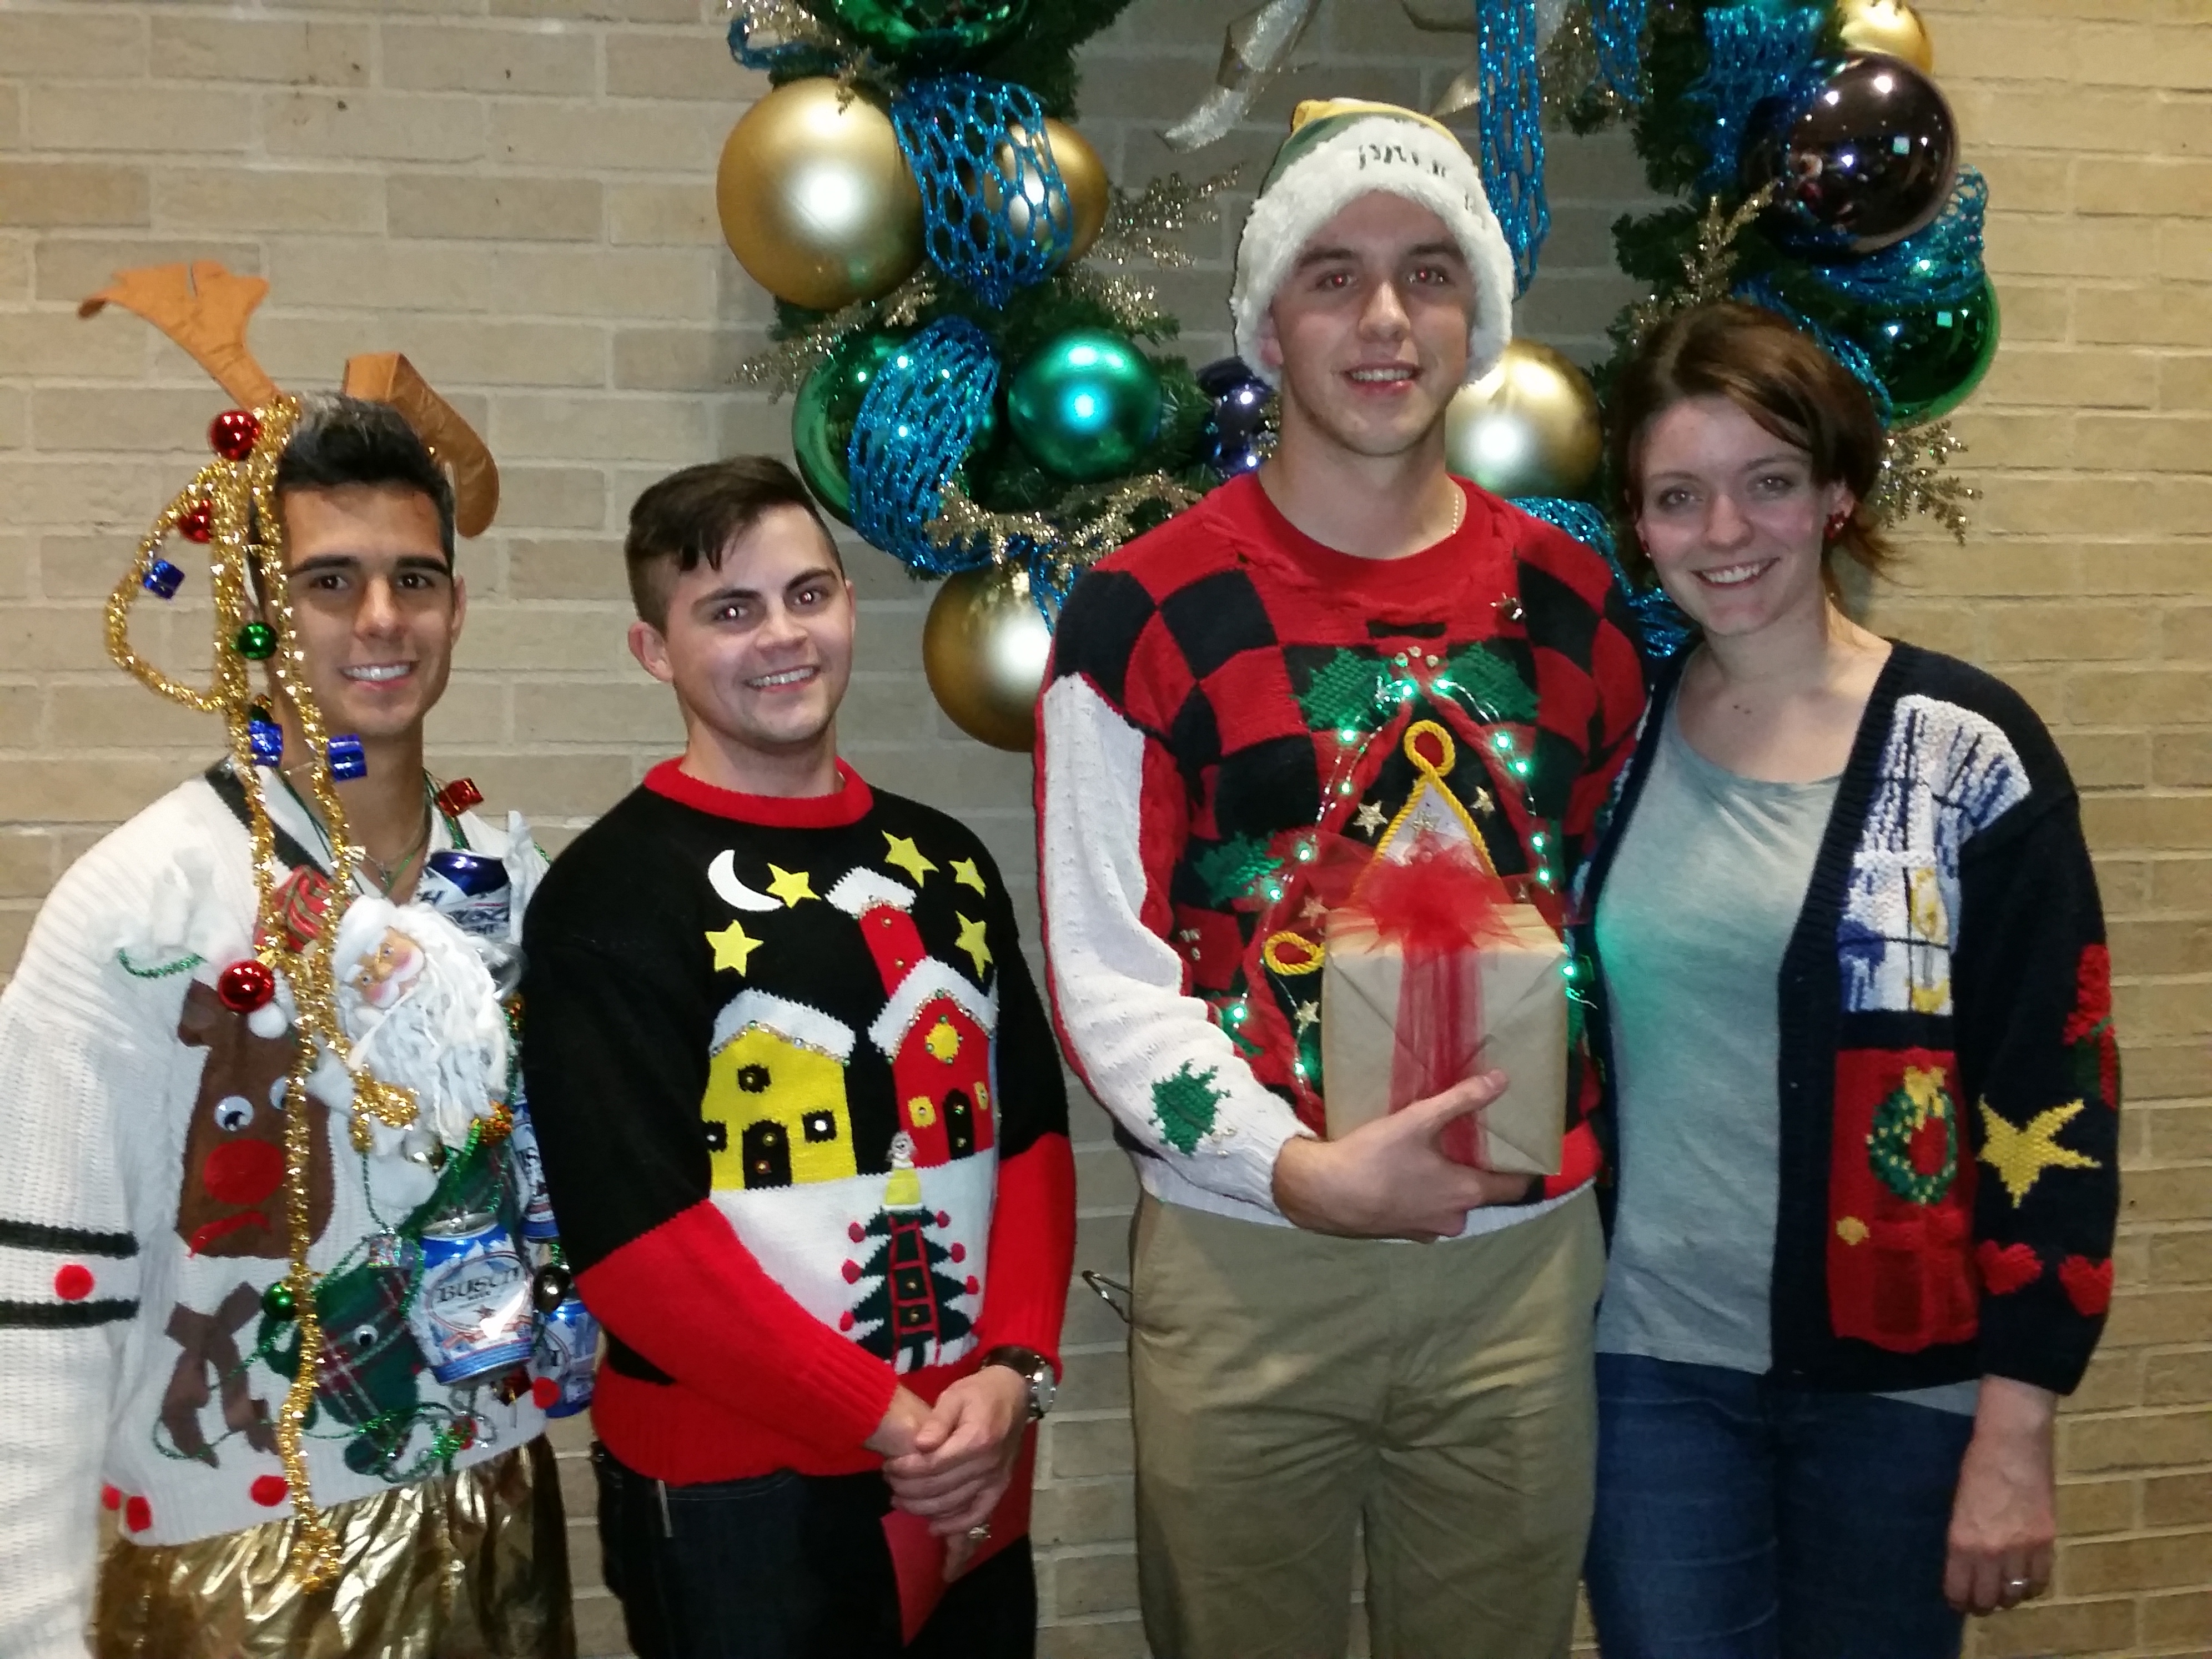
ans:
(516, 193)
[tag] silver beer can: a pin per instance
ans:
(472, 1311)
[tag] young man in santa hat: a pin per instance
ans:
(1350, 648)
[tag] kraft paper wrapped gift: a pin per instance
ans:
(1523, 1003)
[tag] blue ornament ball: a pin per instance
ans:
(1087, 404)
(1239, 415)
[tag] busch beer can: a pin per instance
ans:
(568, 1355)
(530, 1178)
(470, 889)
(472, 1311)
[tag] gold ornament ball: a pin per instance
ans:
(984, 649)
(815, 199)
(1530, 427)
(1089, 190)
(1883, 25)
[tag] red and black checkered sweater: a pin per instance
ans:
(1224, 689)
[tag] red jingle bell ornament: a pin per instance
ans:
(245, 985)
(197, 524)
(232, 434)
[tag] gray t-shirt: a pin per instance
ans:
(1704, 895)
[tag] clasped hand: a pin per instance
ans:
(950, 1464)
(1388, 1179)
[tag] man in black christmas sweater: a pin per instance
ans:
(801, 1110)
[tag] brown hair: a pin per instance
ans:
(1780, 377)
(692, 516)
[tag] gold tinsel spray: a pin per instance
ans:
(239, 497)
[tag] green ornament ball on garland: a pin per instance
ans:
(925, 31)
(822, 416)
(257, 642)
(1087, 404)
(278, 1302)
(1931, 359)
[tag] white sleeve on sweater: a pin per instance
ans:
(1147, 1049)
(69, 1271)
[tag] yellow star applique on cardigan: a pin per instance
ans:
(903, 854)
(965, 872)
(971, 941)
(2020, 1156)
(790, 885)
(732, 947)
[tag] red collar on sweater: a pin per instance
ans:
(848, 803)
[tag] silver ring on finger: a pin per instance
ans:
(980, 1531)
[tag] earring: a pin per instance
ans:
(1834, 528)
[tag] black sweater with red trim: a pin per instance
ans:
(800, 1106)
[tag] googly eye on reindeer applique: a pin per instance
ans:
(233, 1113)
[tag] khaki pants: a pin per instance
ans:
(1289, 1386)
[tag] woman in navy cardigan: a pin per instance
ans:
(1854, 1023)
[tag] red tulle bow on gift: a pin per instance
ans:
(1437, 909)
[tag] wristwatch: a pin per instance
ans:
(1034, 1368)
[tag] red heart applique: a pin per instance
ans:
(2088, 1284)
(2008, 1268)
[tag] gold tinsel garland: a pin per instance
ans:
(1140, 226)
(784, 367)
(1707, 268)
(239, 497)
(1083, 527)
(1912, 481)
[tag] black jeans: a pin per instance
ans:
(788, 1566)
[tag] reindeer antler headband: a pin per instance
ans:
(205, 308)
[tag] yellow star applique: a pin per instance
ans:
(2020, 1156)
(905, 855)
(790, 885)
(971, 941)
(964, 872)
(1369, 817)
(732, 947)
(1309, 1014)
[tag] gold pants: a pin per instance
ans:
(1290, 1386)
(469, 1565)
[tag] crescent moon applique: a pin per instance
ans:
(722, 874)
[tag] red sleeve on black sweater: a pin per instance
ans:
(1032, 1249)
(691, 1298)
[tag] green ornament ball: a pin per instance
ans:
(918, 31)
(1086, 406)
(1931, 358)
(256, 641)
(822, 416)
(278, 1302)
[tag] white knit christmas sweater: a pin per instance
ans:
(141, 1218)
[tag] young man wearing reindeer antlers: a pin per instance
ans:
(1350, 655)
(157, 1183)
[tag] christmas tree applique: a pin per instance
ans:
(1184, 1105)
(909, 1308)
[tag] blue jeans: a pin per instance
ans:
(788, 1566)
(1739, 1519)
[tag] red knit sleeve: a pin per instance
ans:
(689, 1297)
(1032, 1249)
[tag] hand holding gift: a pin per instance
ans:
(1389, 1178)
(1433, 973)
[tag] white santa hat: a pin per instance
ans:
(1339, 150)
